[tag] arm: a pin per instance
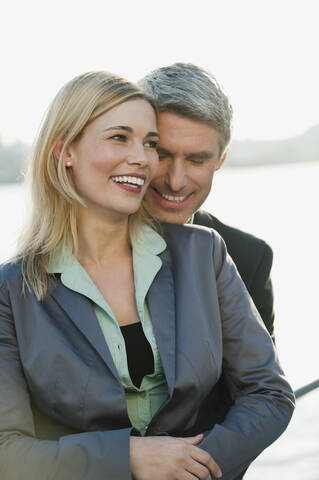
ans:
(253, 259)
(85, 456)
(263, 400)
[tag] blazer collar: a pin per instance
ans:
(161, 304)
(80, 311)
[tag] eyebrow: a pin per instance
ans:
(130, 130)
(201, 155)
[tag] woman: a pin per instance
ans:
(112, 335)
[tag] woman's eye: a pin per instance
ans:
(152, 144)
(120, 138)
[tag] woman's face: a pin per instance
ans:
(115, 159)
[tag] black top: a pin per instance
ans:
(139, 353)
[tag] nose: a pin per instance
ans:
(137, 156)
(176, 175)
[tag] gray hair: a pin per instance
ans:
(190, 91)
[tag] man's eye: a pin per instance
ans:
(120, 138)
(197, 162)
(152, 144)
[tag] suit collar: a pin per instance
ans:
(161, 303)
(80, 311)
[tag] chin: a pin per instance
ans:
(171, 217)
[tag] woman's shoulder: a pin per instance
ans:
(10, 271)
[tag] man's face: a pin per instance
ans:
(189, 155)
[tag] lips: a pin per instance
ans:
(129, 179)
(171, 198)
(132, 182)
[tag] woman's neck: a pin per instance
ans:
(101, 241)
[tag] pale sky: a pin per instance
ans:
(264, 52)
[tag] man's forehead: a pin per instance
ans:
(182, 133)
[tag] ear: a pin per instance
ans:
(221, 161)
(58, 148)
(57, 152)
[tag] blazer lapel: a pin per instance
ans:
(80, 311)
(161, 304)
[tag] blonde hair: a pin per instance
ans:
(53, 219)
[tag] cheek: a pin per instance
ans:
(161, 170)
(90, 172)
(100, 162)
(154, 166)
(207, 184)
(201, 179)
(97, 158)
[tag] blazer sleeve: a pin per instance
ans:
(98, 455)
(263, 399)
(253, 258)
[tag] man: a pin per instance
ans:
(195, 122)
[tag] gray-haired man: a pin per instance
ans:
(195, 129)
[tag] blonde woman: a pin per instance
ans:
(114, 331)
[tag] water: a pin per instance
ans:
(13, 208)
(280, 205)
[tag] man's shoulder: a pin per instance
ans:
(235, 238)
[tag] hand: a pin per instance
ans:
(171, 458)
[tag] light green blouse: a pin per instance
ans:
(142, 402)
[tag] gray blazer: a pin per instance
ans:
(62, 407)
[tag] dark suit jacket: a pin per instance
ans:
(62, 406)
(253, 259)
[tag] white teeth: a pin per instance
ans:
(132, 180)
(171, 198)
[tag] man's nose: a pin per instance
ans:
(176, 176)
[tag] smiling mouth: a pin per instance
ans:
(171, 198)
(131, 180)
